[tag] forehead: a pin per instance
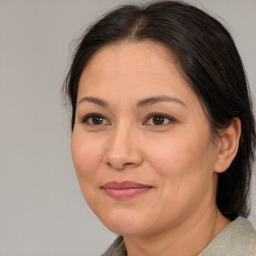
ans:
(132, 56)
(134, 68)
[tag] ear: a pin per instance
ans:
(228, 145)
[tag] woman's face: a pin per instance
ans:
(141, 144)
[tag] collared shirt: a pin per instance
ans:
(236, 239)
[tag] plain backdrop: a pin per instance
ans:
(42, 211)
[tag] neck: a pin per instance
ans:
(186, 239)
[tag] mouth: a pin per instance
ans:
(125, 189)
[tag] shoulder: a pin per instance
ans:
(117, 248)
(237, 239)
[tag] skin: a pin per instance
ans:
(177, 157)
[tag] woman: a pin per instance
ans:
(163, 132)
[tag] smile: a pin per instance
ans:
(123, 190)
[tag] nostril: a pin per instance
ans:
(128, 164)
(118, 157)
(120, 166)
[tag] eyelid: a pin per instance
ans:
(84, 119)
(170, 119)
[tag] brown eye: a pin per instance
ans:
(158, 120)
(94, 119)
(97, 120)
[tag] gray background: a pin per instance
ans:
(42, 211)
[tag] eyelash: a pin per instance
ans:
(169, 119)
(85, 119)
(164, 116)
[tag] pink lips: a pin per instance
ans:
(125, 189)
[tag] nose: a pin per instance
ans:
(122, 149)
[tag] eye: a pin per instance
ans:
(158, 119)
(95, 119)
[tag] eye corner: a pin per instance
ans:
(94, 119)
(159, 120)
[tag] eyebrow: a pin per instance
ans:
(158, 99)
(93, 100)
(141, 103)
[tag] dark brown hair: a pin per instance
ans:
(213, 68)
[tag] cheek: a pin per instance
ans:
(182, 162)
(184, 175)
(171, 154)
(87, 157)
(86, 154)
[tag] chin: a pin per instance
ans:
(125, 223)
(126, 229)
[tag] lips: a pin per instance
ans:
(125, 189)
